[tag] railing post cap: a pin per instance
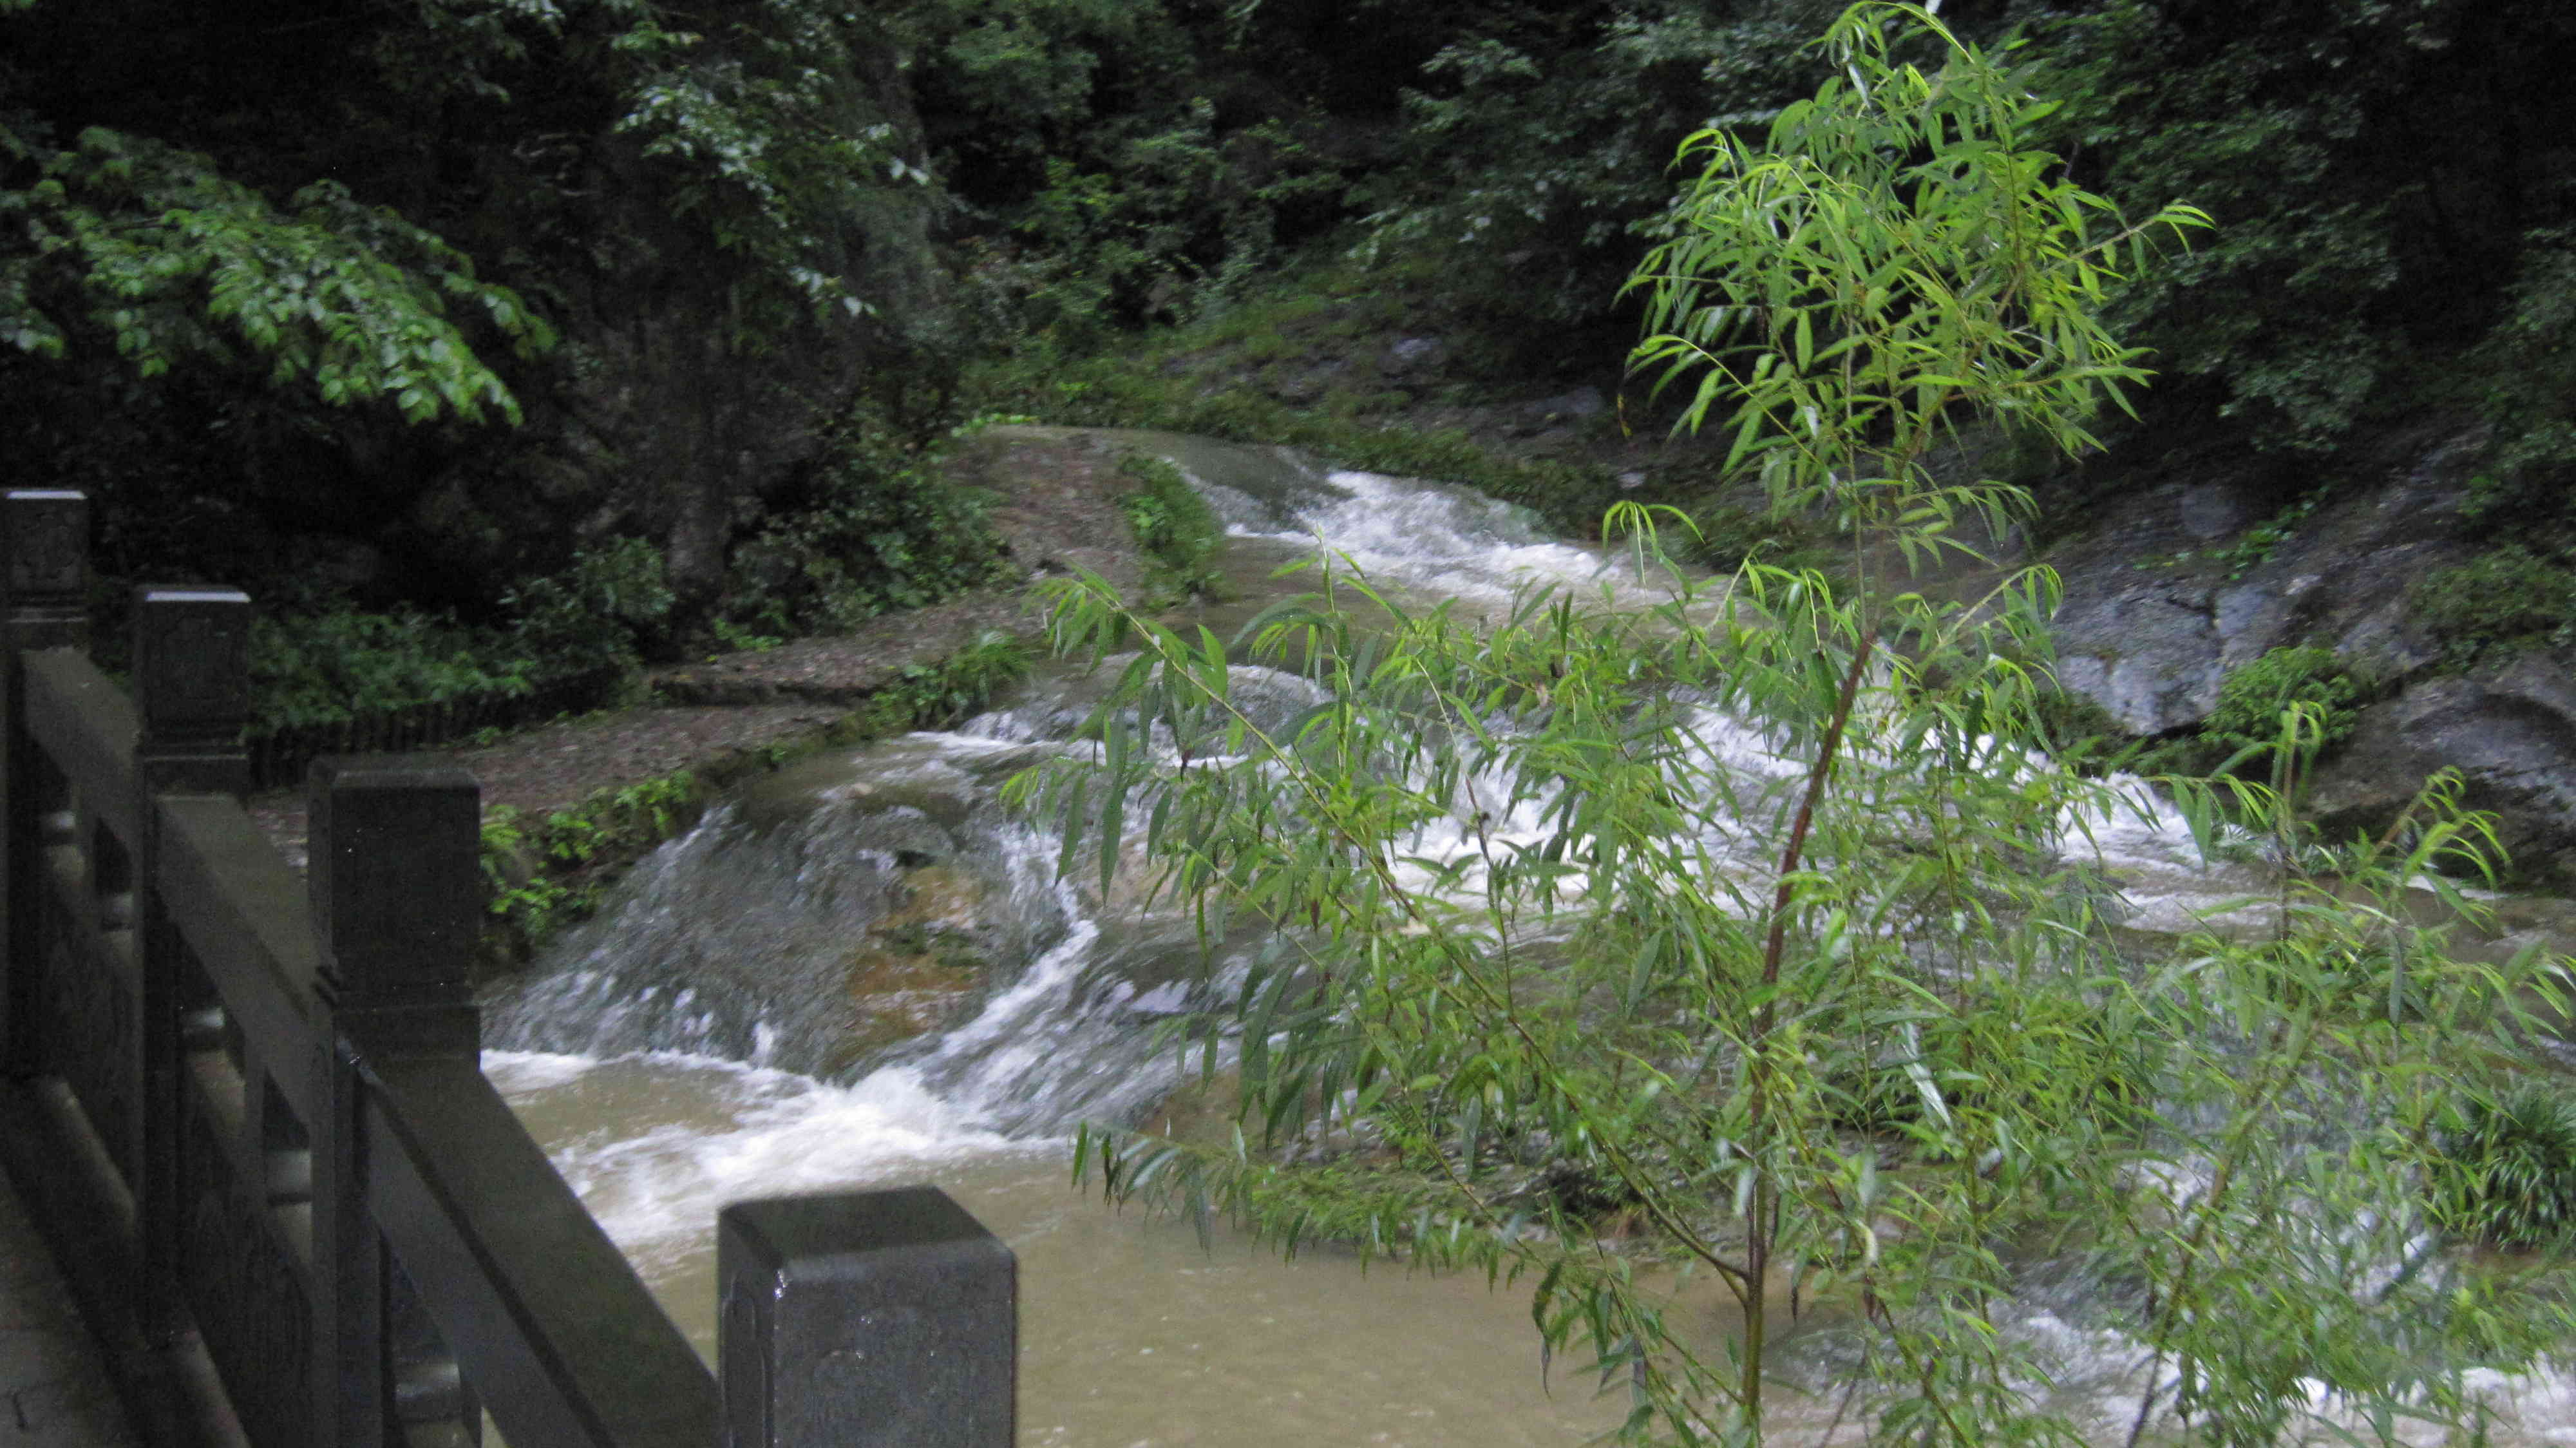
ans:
(886, 1319)
(44, 533)
(345, 773)
(843, 1233)
(394, 868)
(190, 593)
(192, 685)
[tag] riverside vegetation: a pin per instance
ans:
(601, 275)
(1526, 970)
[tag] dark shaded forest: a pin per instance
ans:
(491, 341)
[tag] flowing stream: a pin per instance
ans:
(862, 971)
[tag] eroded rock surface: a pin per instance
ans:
(2164, 594)
(2510, 733)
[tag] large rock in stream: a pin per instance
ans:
(2510, 732)
(2167, 589)
(2164, 597)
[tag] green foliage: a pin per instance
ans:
(1174, 222)
(1503, 887)
(2533, 363)
(2076, 732)
(1726, 536)
(1511, 913)
(539, 878)
(2368, 163)
(1177, 529)
(734, 198)
(126, 242)
(322, 669)
(761, 128)
(527, 902)
(342, 663)
(2253, 697)
(1538, 142)
(1885, 1082)
(933, 696)
(1884, 258)
(593, 613)
(871, 526)
(2505, 1168)
(2505, 599)
(2274, 716)
(1085, 131)
(737, 639)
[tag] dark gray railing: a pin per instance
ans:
(247, 1112)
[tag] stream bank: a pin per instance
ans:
(2187, 567)
(712, 723)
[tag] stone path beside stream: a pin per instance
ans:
(1054, 494)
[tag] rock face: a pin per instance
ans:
(2165, 594)
(662, 418)
(2168, 587)
(2510, 734)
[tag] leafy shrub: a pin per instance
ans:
(2079, 733)
(595, 614)
(519, 892)
(2252, 697)
(1174, 525)
(2001, 1049)
(326, 668)
(2300, 129)
(930, 696)
(2505, 1171)
(1534, 151)
(2533, 362)
(2505, 599)
(1153, 227)
(872, 527)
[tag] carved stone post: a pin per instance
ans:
(397, 906)
(44, 571)
(191, 698)
(869, 1320)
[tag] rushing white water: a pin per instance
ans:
(864, 972)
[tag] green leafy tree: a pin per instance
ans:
(1537, 142)
(673, 241)
(153, 249)
(1534, 938)
(2374, 172)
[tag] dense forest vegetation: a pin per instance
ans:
(492, 318)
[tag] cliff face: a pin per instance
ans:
(668, 414)
(2169, 585)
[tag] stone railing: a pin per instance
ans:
(247, 1113)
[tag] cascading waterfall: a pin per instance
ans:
(864, 970)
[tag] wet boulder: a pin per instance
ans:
(2172, 583)
(2509, 731)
